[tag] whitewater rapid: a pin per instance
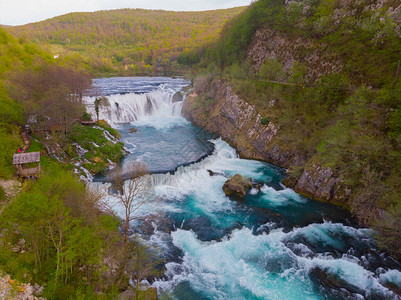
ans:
(276, 244)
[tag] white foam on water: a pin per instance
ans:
(253, 191)
(280, 197)
(329, 234)
(243, 266)
(154, 109)
(393, 277)
(351, 272)
(236, 267)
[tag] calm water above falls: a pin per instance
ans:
(274, 245)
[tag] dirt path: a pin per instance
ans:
(27, 141)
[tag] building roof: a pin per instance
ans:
(24, 158)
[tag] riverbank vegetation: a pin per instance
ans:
(52, 230)
(128, 41)
(327, 73)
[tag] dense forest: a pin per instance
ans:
(128, 41)
(54, 233)
(327, 74)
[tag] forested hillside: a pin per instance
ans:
(14, 55)
(53, 234)
(325, 77)
(128, 41)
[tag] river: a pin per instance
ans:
(276, 244)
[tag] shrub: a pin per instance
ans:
(2, 193)
(202, 83)
(86, 116)
(265, 121)
(272, 70)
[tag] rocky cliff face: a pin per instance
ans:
(239, 123)
(321, 183)
(316, 57)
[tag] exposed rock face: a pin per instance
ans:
(178, 97)
(238, 123)
(11, 289)
(319, 182)
(237, 186)
(269, 44)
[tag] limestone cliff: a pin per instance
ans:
(239, 123)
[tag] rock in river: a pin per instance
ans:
(178, 97)
(237, 186)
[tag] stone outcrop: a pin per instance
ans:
(237, 186)
(239, 123)
(321, 182)
(269, 44)
(12, 289)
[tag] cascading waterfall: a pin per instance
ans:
(127, 108)
(222, 150)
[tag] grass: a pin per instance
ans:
(35, 146)
(87, 137)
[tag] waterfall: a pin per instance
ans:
(126, 108)
(222, 150)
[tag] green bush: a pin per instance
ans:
(265, 121)
(2, 194)
(86, 116)
(272, 69)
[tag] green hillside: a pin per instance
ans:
(128, 41)
(325, 73)
(53, 233)
(15, 54)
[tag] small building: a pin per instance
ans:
(32, 158)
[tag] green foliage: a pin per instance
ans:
(35, 146)
(395, 123)
(2, 194)
(64, 233)
(9, 143)
(272, 70)
(86, 116)
(129, 41)
(10, 111)
(99, 147)
(237, 34)
(363, 40)
(265, 121)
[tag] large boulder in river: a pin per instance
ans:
(237, 186)
(178, 97)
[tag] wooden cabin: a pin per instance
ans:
(21, 159)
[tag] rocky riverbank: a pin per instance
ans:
(240, 124)
(12, 289)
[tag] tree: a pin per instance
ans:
(97, 107)
(132, 189)
(49, 94)
(67, 239)
(99, 102)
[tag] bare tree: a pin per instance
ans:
(132, 189)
